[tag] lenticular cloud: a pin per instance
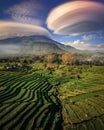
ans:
(13, 29)
(76, 17)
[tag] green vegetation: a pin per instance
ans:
(82, 99)
(25, 102)
(51, 95)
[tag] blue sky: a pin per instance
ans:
(80, 27)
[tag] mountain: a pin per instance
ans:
(26, 45)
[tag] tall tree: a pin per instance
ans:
(68, 58)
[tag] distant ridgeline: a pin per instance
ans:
(30, 45)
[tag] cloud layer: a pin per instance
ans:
(6, 50)
(86, 46)
(13, 29)
(76, 17)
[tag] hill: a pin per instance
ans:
(28, 45)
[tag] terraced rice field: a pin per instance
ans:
(84, 115)
(27, 103)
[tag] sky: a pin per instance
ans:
(79, 23)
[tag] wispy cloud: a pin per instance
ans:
(13, 29)
(89, 37)
(85, 46)
(93, 35)
(76, 17)
(26, 12)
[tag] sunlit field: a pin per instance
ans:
(68, 97)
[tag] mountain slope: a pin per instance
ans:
(38, 45)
